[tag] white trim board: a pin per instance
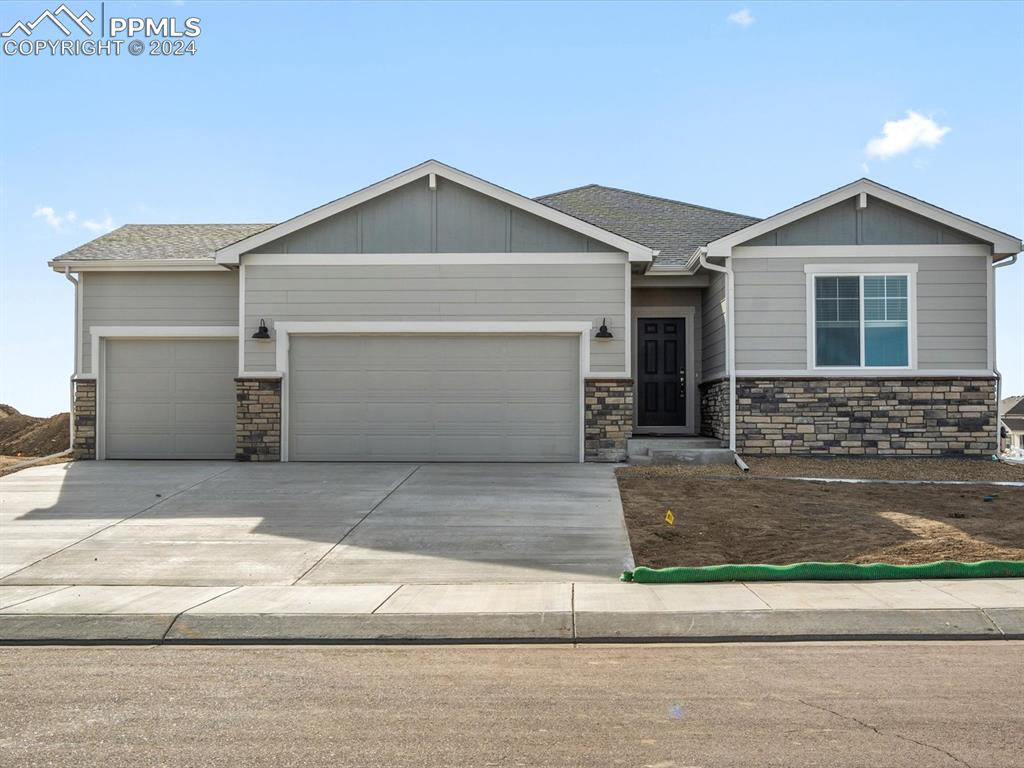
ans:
(860, 269)
(865, 373)
(1002, 243)
(284, 331)
(858, 251)
(415, 259)
(429, 171)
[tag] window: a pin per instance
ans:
(861, 321)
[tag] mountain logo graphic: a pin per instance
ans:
(54, 16)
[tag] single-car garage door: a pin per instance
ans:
(170, 398)
(434, 398)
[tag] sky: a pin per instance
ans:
(748, 107)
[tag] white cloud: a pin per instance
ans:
(105, 225)
(744, 18)
(899, 136)
(52, 218)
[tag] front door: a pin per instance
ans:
(661, 372)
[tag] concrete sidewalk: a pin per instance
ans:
(525, 612)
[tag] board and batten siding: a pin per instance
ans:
(156, 298)
(771, 311)
(713, 317)
(449, 219)
(585, 292)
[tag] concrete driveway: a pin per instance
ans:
(223, 523)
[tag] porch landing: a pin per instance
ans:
(678, 450)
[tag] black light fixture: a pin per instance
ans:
(603, 332)
(262, 332)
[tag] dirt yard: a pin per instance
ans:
(25, 436)
(745, 520)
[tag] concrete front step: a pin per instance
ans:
(681, 450)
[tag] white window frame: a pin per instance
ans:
(861, 271)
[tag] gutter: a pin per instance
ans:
(730, 338)
(74, 365)
(995, 370)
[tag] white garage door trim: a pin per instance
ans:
(100, 333)
(453, 328)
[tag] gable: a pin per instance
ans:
(880, 223)
(451, 218)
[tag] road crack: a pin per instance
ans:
(875, 728)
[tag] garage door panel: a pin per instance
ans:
(434, 398)
(169, 398)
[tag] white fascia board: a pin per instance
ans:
(231, 253)
(1002, 243)
(670, 269)
(139, 265)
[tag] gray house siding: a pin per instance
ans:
(713, 314)
(464, 292)
(771, 311)
(880, 223)
(450, 219)
(156, 298)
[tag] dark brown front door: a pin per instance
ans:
(661, 372)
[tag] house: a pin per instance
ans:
(1012, 410)
(437, 316)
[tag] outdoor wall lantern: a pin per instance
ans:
(603, 332)
(262, 332)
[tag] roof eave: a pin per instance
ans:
(137, 265)
(1003, 245)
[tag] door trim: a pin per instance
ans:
(99, 335)
(689, 314)
(283, 330)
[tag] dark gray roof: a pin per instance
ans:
(674, 228)
(1013, 405)
(161, 241)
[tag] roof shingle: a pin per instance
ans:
(161, 241)
(674, 228)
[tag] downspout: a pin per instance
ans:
(995, 370)
(730, 339)
(74, 366)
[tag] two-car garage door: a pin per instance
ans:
(434, 398)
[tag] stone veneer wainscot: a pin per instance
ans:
(84, 415)
(866, 417)
(714, 409)
(258, 419)
(608, 418)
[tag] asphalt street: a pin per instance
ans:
(670, 706)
